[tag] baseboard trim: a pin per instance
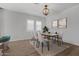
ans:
(17, 40)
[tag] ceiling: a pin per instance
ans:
(36, 8)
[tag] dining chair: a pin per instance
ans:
(35, 39)
(42, 41)
(59, 39)
(55, 38)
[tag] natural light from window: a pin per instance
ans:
(38, 25)
(30, 25)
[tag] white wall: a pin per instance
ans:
(15, 24)
(71, 34)
(1, 21)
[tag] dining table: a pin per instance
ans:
(48, 34)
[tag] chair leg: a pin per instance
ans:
(38, 44)
(42, 46)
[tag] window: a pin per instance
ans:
(38, 25)
(55, 23)
(63, 23)
(30, 25)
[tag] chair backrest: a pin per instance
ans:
(35, 35)
(60, 35)
(40, 38)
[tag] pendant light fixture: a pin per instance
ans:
(45, 10)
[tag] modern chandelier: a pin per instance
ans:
(45, 10)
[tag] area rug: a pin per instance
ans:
(27, 48)
(21, 48)
(54, 49)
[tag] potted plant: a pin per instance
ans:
(45, 29)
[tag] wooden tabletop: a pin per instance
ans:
(47, 34)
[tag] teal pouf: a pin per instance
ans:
(4, 38)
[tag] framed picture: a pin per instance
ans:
(62, 23)
(55, 23)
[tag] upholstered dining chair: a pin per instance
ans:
(59, 39)
(35, 39)
(42, 41)
(4, 40)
